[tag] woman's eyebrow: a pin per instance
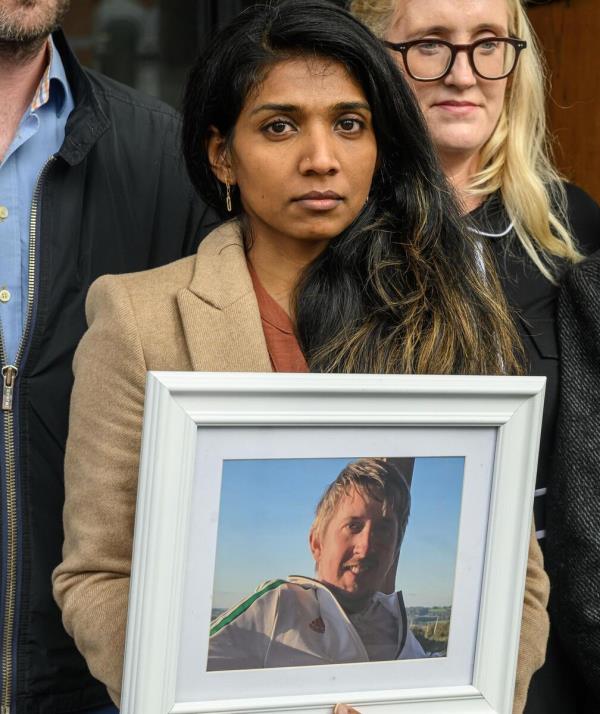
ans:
(288, 108)
(350, 106)
(441, 30)
(292, 108)
(430, 30)
(498, 29)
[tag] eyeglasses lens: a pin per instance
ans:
(494, 59)
(430, 60)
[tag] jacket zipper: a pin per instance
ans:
(9, 379)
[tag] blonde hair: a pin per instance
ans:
(374, 479)
(517, 159)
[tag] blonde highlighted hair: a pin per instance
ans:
(517, 158)
(375, 479)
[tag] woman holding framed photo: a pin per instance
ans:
(345, 253)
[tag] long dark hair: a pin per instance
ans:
(405, 288)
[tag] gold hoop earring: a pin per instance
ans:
(228, 196)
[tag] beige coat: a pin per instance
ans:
(199, 313)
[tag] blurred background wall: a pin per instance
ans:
(569, 31)
(150, 44)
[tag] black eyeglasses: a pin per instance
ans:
(431, 59)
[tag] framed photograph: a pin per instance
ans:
(303, 540)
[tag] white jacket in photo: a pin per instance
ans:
(298, 621)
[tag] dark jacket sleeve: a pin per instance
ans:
(573, 534)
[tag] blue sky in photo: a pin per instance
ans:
(267, 507)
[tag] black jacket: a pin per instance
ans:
(573, 547)
(115, 199)
(557, 688)
(533, 301)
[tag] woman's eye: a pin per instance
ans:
(350, 125)
(430, 48)
(489, 46)
(278, 127)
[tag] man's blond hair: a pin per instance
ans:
(376, 479)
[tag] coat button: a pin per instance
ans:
(3, 212)
(4, 295)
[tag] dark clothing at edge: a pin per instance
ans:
(573, 548)
(557, 688)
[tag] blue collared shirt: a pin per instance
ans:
(40, 135)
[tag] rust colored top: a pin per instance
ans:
(282, 345)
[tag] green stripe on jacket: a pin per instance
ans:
(230, 616)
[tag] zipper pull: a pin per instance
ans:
(9, 374)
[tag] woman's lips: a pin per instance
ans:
(319, 200)
(457, 107)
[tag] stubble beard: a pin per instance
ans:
(21, 40)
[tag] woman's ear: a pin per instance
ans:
(219, 156)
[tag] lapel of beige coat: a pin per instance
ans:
(219, 311)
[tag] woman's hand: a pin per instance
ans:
(344, 709)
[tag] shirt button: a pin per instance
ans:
(3, 212)
(4, 295)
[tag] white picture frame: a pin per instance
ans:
(183, 411)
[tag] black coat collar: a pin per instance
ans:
(88, 120)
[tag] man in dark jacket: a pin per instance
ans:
(90, 182)
(573, 548)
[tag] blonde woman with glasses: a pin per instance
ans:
(476, 71)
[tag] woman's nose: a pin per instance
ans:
(461, 75)
(318, 155)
